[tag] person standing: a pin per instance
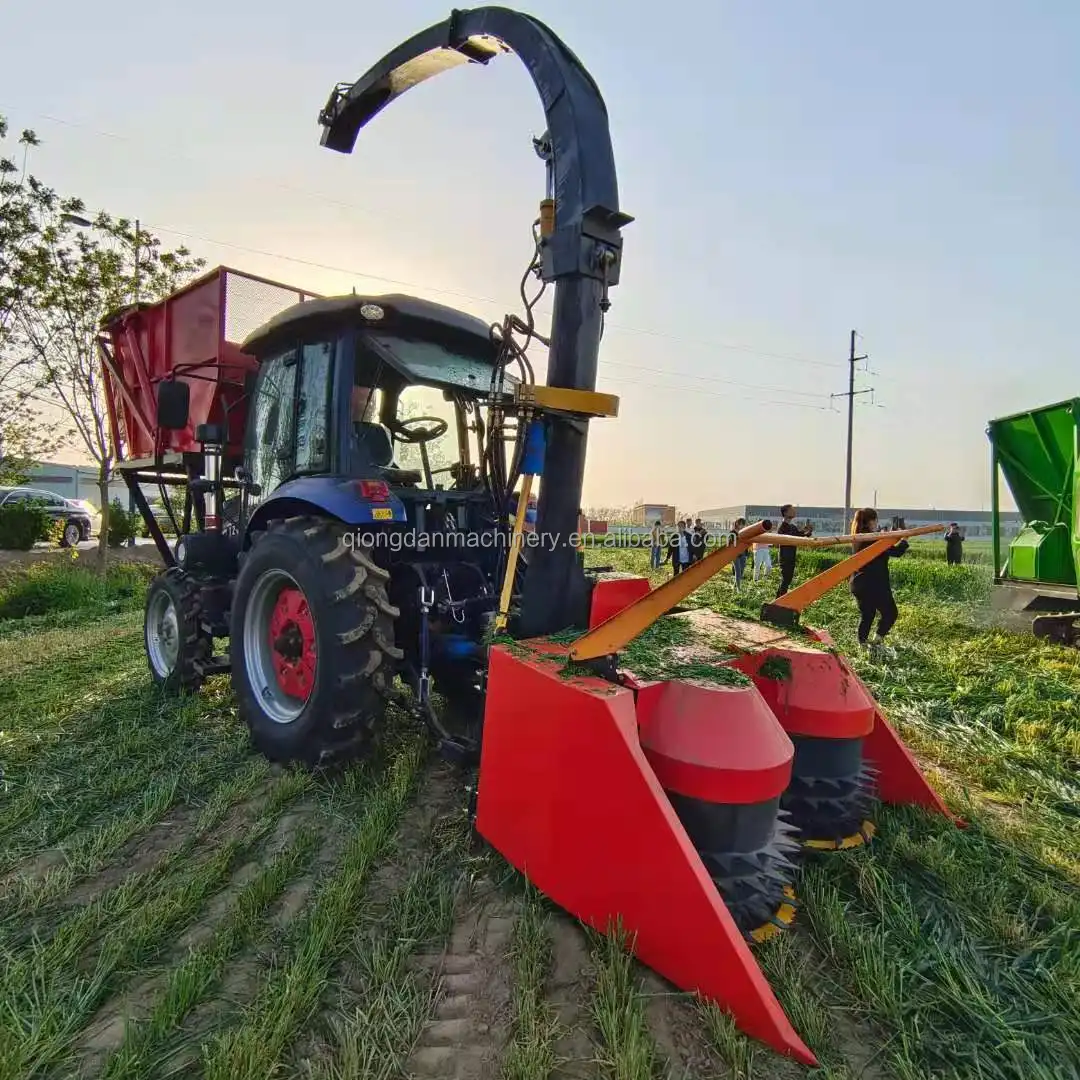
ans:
(870, 585)
(679, 549)
(762, 560)
(787, 554)
(698, 539)
(656, 542)
(954, 545)
(738, 566)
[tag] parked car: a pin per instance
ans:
(81, 519)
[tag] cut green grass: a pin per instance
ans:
(918, 963)
(627, 1050)
(531, 1052)
(109, 756)
(373, 1035)
(224, 782)
(958, 950)
(253, 1048)
(935, 952)
(49, 990)
(145, 1049)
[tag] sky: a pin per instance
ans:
(795, 171)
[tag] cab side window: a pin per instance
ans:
(312, 406)
(271, 431)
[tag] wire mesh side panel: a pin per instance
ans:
(251, 301)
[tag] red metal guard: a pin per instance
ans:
(900, 780)
(568, 798)
(611, 595)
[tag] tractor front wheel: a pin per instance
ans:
(311, 643)
(175, 641)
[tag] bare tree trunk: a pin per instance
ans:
(103, 538)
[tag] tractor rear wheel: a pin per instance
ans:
(311, 643)
(173, 636)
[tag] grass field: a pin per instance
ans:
(171, 906)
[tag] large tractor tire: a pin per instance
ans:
(172, 635)
(311, 643)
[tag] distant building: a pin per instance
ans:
(79, 482)
(829, 520)
(647, 513)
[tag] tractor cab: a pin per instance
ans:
(384, 392)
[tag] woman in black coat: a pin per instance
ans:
(870, 585)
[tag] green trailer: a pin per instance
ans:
(1036, 453)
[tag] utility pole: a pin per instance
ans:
(851, 394)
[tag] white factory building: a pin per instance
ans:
(829, 520)
(79, 482)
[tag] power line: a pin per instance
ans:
(162, 150)
(350, 270)
(320, 196)
(488, 300)
(717, 379)
(616, 377)
(353, 271)
(727, 397)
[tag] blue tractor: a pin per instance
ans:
(370, 528)
(358, 471)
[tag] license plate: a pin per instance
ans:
(382, 514)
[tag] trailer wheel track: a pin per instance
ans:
(468, 1029)
(567, 989)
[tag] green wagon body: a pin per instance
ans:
(1036, 452)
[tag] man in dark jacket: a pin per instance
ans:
(679, 549)
(954, 545)
(698, 541)
(787, 554)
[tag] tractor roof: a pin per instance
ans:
(390, 314)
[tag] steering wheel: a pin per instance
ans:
(438, 427)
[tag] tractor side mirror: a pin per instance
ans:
(173, 404)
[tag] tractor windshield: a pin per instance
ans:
(460, 365)
(414, 403)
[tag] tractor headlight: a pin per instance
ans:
(371, 312)
(181, 553)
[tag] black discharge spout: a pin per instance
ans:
(582, 256)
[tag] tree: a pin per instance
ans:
(614, 515)
(26, 205)
(71, 278)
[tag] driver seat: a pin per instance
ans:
(375, 443)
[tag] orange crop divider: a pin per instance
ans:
(621, 628)
(802, 596)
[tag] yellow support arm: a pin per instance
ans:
(560, 399)
(515, 550)
(615, 633)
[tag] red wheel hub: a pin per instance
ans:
(292, 639)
